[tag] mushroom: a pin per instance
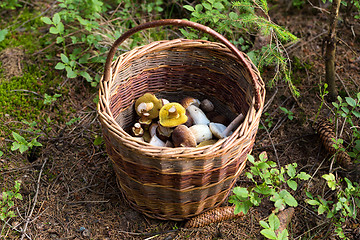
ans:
(164, 101)
(217, 130)
(146, 136)
(148, 107)
(152, 129)
(206, 105)
(137, 130)
(157, 141)
(198, 115)
(182, 136)
(201, 132)
(169, 144)
(189, 121)
(172, 115)
(207, 143)
(163, 132)
(187, 101)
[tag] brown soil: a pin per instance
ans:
(76, 195)
(11, 59)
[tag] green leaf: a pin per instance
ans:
(251, 158)
(15, 146)
(19, 138)
(321, 209)
(291, 171)
(303, 176)
(264, 224)
(3, 34)
(292, 184)
(268, 233)
(46, 20)
(70, 72)
(288, 198)
(23, 148)
(53, 30)
(18, 196)
(56, 18)
(64, 58)
(207, 6)
(356, 114)
(313, 202)
(98, 140)
(283, 235)
(1, 153)
(60, 27)
(59, 40)
(189, 8)
(330, 178)
(274, 222)
(60, 66)
(218, 5)
(199, 7)
(279, 204)
(241, 192)
(351, 101)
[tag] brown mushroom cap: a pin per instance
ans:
(187, 101)
(183, 137)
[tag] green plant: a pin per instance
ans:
(323, 93)
(50, 99)
(272, 185)
(21, 144)
(269, 121)
(270, 228)
(348, 111)
(239, 19)
(7, 203)
(346, 204)
(289, 113)
(10, 4)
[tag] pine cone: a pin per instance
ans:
(327, 136)
(213, 216)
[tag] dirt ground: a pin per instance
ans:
(70, 190)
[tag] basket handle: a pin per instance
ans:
(185, 23)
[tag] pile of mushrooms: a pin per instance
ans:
(190, 123)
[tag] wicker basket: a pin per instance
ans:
(178, 183)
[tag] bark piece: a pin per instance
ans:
(285, 217)
(213, 216)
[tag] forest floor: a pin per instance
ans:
(69, 188)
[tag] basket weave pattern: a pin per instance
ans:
(178, 183)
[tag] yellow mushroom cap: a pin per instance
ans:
(151, 105)
(172, 115)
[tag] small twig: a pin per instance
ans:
(28, 218)
(270, 100)
(272, 143)
(25, 90)
(342, 82)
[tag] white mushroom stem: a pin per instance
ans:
(173, 112)
(145, 107)
(236, 122)
(201, 132)
(157, 141)
(197, 115)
